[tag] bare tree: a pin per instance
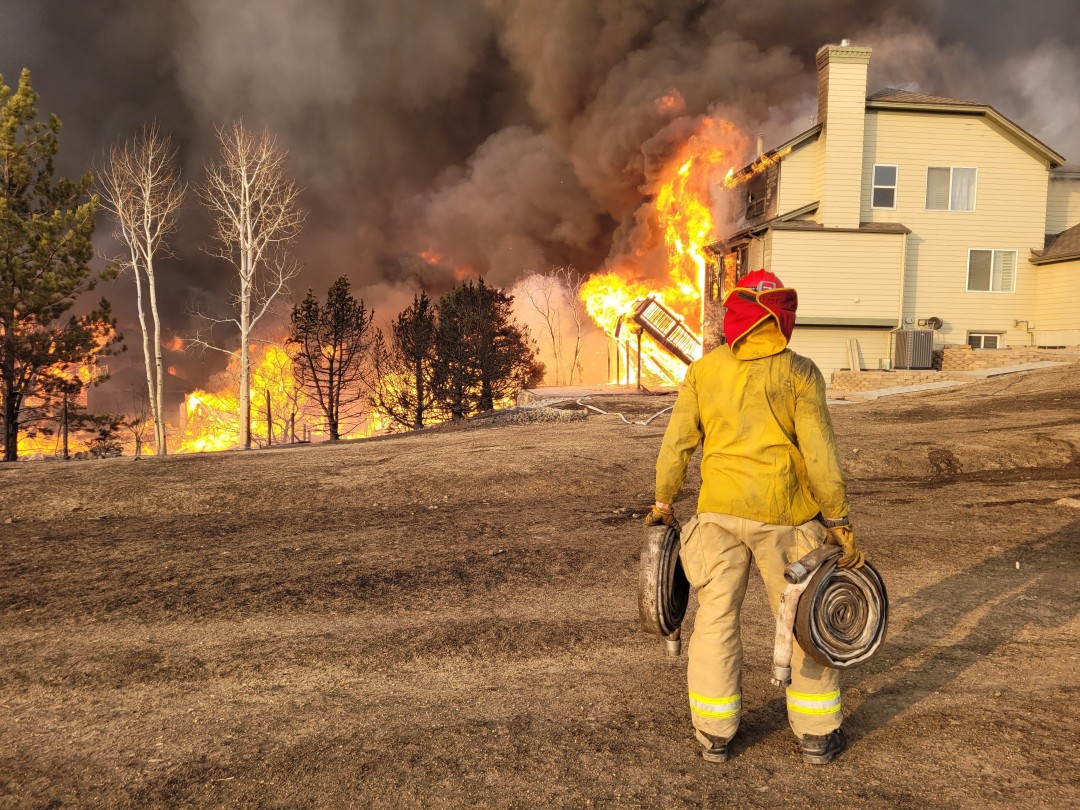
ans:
(139, 416)
(572, 281)
(553, 295)
(256, 215)
(140, 186)
(544, 292)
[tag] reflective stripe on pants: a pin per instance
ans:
(811, 703)
(719, 707)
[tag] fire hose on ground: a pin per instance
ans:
(838, 615)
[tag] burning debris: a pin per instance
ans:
(667, 329)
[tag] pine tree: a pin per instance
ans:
(403, 366)
(483, 354)
(46, 228)
(331, 343)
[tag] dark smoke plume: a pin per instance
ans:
(502, 136)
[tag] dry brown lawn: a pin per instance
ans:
(448, 619)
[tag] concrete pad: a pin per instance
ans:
(983, 373)
(866, 396)
(553, 393)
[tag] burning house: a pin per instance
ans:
(907, 221)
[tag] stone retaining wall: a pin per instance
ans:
(875, 380)
(965, 358)
(947, 362)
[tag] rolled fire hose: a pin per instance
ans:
(838, 615)
(663, 590)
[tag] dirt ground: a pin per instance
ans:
(448, 619)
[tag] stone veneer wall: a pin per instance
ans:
(947, 361)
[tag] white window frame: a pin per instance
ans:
(1000, 336)
(950, 209)
(895, 187)
(992, 251)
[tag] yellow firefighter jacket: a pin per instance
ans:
(769, 450)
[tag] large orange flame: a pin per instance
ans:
(281, 412)
(683, 209)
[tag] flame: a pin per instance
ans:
(762, 163)
(212, 419)
(683, 209)
(175, 344)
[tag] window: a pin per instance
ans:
(950, 189)
(884, 194)
(991, 270)
(984, 340)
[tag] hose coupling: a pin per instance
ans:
(673, 644)
(796, 572)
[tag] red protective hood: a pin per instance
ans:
(759, 316)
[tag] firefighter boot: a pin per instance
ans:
(716, 748)
(819, 749)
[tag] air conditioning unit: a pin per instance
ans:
(913, 348)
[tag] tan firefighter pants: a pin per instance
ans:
(716, 552)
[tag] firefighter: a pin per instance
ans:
(771, 489)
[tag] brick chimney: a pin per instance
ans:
(842, 110)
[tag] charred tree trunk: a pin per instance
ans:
(64, 427)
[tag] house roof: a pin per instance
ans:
(893, 94)
(1065, 247)
(864, 227)
(787, 222)
(892, 99)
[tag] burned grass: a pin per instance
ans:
(448, 619)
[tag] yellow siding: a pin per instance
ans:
(828, 347)
(798, 170)
(756, 257)
(1010, 214)
(1063, 204)
(1057, 315)
(843, 143)
(841, 275)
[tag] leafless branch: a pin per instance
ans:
(140, 186)
(256, 213)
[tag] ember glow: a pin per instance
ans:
(435, 259)
(683, 210)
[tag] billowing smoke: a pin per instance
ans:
(501, 136)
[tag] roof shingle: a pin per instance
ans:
(909, 97)
(1065, 246)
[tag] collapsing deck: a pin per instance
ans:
(667, 329)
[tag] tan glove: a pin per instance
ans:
(659, 516)
(844, 537)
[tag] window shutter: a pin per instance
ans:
(937, 189)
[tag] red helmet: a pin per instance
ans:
(759, 296)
